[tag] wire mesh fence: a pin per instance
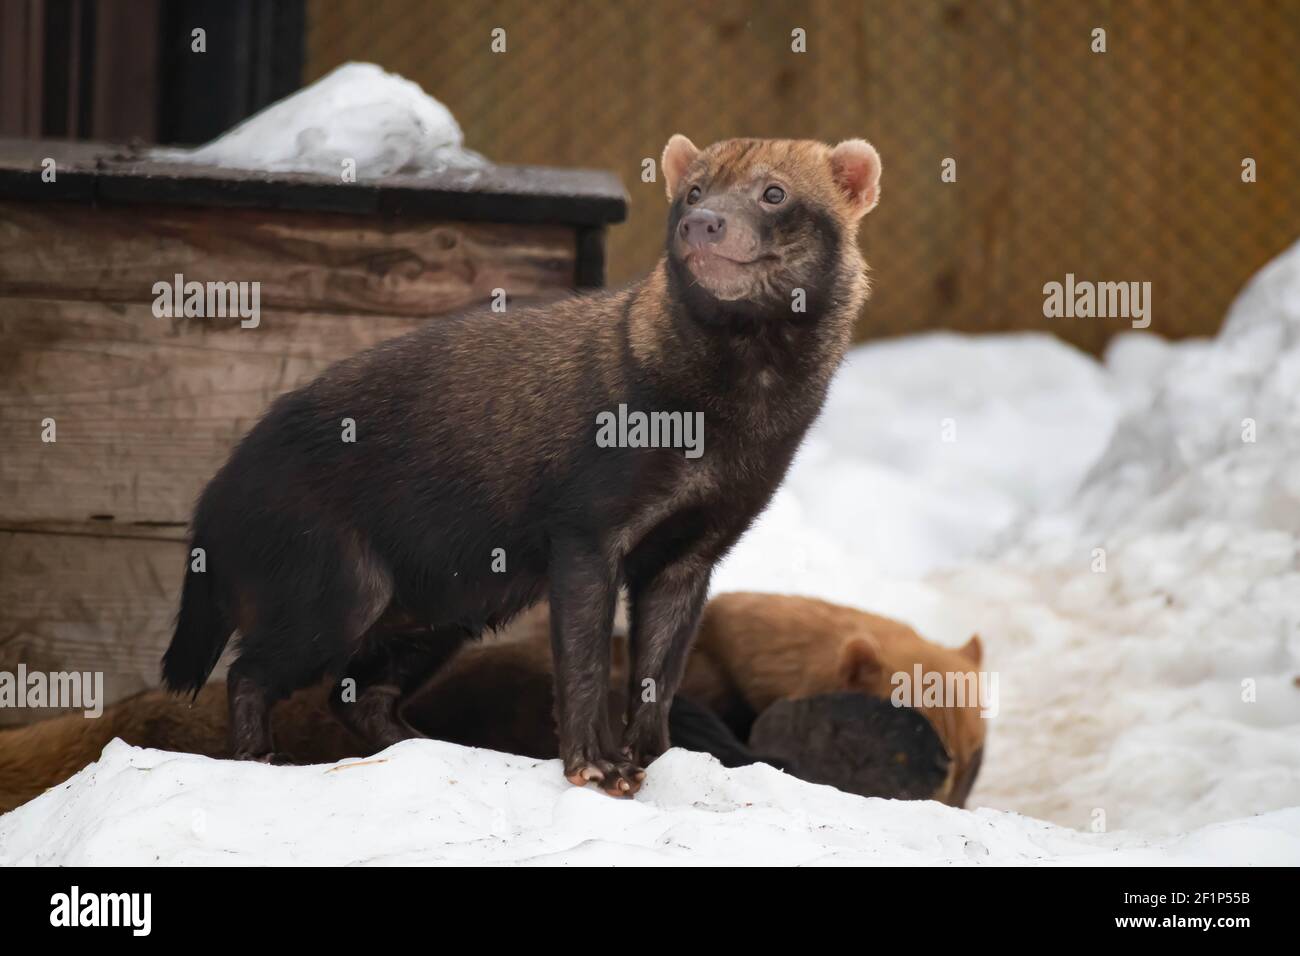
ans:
(1021, 145)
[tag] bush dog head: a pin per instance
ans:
(752, 221)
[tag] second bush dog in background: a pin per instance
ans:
(474, 485)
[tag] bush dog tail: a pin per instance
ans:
(202, 630)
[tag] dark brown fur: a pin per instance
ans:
(371, 561)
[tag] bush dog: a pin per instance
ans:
(753, 650)
(498, 694)
(474, 483)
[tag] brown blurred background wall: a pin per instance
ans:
(1117, 166)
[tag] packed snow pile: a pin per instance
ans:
(381, 122)
(424, 802)
(1123, 536)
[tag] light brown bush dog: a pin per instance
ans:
(44, 754)
(755, 649)
(752, 650)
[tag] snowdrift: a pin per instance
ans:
(424, 802)
(1124, 537)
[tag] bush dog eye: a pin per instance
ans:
(774, 195)
(554, 451)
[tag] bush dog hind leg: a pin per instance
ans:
(250, 701)
(391, 662)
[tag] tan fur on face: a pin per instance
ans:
(736, 170)
(844, 179)
(764, 647)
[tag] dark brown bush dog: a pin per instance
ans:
(476, 484)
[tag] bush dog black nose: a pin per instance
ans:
(703, 228)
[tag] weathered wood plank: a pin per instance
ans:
(303, 261)
(145, 409)
(84, 604)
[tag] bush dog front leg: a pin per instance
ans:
(584, 592)
(665, 614)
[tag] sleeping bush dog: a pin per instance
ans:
(444, 481)
(754, 651)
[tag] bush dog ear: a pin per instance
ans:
(972, 650)
(855, 165)
(678, 156)
(860, 663)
